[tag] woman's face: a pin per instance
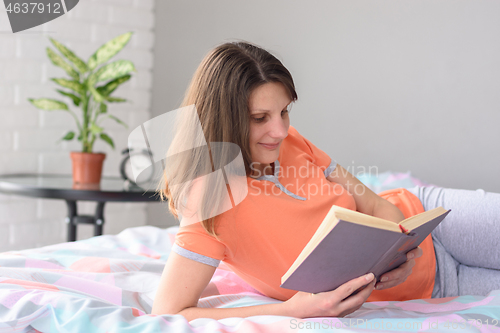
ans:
(269, 123)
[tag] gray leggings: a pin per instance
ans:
(467, 242)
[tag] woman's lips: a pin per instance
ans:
(269, 146)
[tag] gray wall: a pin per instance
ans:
(396, 85)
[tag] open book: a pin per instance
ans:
(348, 244)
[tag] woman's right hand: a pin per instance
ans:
(335, 303)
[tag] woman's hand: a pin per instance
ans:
(335, 303)
(400, 274)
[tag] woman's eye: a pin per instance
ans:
(261, 119)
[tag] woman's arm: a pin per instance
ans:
(367, 201)
(183, 281)
(181, 285)
(386, 210)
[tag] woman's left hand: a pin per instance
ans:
(400, 274)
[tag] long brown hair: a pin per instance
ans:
(219, 90)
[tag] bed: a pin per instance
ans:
(108, 283)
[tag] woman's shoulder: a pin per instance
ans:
(295, 145)
(292, 131)
(295, 140)
(293, 137)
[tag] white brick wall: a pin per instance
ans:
(28, 135)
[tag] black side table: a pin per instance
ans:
(52, 186)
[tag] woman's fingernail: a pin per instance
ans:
(410, 256)
(379, 286)
(385, 278)
(369, 276)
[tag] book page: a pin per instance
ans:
(364, 219)
(416, 221)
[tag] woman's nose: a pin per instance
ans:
(279, 129)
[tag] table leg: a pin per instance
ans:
(99, 218)
(73, 219)
(70, 220)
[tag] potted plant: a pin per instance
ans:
(90, 87)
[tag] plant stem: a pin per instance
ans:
(96, 113)
(76, 119)
(85, 106)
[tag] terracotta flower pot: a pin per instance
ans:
(87, 167)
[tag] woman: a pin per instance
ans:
(243, 96)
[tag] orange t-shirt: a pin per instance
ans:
(260, 238)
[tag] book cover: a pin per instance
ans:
(350, 250)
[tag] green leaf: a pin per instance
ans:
(80, 137)
(59, 61)
(103, 108)
(107, 89)
(108, 50)
(76, 100)
(73, 85)
(48, 104)
(117, 120)
(107, 139)
(115, 99)
(80, 65)
(114, 70)
(94, 129)
(69, 136)
(98, 97)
